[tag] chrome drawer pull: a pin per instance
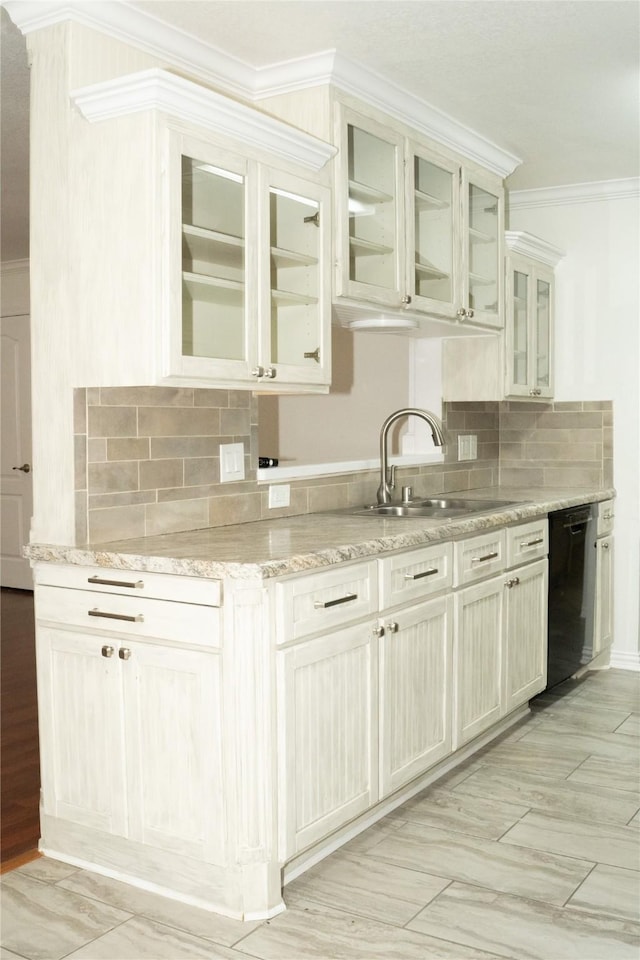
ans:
(138, 618)
(323, 604)
(418, 576)
(487, 556)
(137, 584)
(532, 543)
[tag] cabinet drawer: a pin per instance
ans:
(136, 616)
(334, 597)
(415, 574)
(527, 541)
(478, 557)
(161, 586)
(604, 521)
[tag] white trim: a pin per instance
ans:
(575, 193)
(625, 659)
(311, 470)
(157, 89)
(519, 241)
(212, 65)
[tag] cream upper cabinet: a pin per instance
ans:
(249, 271)
(529, 326)
(415, 229)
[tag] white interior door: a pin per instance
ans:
(16, 489)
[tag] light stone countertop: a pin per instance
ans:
(272, 548)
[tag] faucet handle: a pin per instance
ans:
(391, 479)
(407, 494)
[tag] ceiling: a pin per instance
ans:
(555, 82)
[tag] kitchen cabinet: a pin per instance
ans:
(116, 715)
(250, 257)
(517, 364)
(416, 230)
(603, 545)
(525, 648)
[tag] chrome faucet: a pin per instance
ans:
(387, 477)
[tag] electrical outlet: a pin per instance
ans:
(231, 462)
(468, 447)
(280, 495)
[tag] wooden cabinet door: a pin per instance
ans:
(603, 629)
(173, 745)
(478, 626)
(328, 722)
(415, 684)
(525, 636)
(81, 729)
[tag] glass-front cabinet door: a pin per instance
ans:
(483, 217)
(433, 229)
(296, 255)
(370, 204)
(529, 328)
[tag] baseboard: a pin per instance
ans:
(625, 659)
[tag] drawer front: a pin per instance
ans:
(605, 516)
(478, 557)
(160, 586)
(527, 541)
(135, 616)
(415, 574)
(320, 601)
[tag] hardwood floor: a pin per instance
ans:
(20, 762)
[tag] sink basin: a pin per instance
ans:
(437, 508)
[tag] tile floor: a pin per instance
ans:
(531, 850)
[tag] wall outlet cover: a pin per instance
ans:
(231, 462)
(280, 495)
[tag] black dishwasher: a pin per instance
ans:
(571, 592)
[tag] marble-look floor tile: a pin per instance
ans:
(201, 923)
(452, 810)
(548, 760)
(600, 842)
(143, 939)
(618, 774)
(635, 820)
(374, 889)
(369, 837)
(631, 726)
(42, 922)
(581, 714)
(8, 955)
(557, 797)
(500, 866)
(581, 743)
(610, 890)
(47, 870)
(517, 927)
(314, 932)
(615, 698)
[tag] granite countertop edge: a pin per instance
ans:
(264, 549)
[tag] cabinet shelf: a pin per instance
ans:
(426, 201)
(475, 279)
(213, 246)
(214, 289)
(287, 298)
(429, 271)
(364, 193)
(291, 258)
(477, 236)
(367, 248)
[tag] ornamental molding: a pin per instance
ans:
(519, 241)
(575, 193)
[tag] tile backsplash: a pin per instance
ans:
(148, 458)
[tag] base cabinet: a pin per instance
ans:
(415, 708)
(525, 652)
(131, 740)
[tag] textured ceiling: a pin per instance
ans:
(556, 82)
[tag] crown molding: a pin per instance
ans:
(575, 193)
(156, 89)
(188, 54)
(519, 241)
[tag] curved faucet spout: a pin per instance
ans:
(386, 480)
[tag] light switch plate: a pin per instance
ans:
(231, 462)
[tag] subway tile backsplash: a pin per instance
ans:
(148, 458)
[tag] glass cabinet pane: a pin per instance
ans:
(543, 333)
(213, 256)
(372, 209)
(295, 263)
(520, 357)
(433, 213)
(483, 250)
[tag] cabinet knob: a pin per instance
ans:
(257, 372)
(270, 373)
(25, 468)
(406, 300)
(124, 653)
(605, 545)
(469, 313)
(393, 627)
(461, 313)
(513, 582)
(107, 651)
(378, 632)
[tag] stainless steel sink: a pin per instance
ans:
(436, 508)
